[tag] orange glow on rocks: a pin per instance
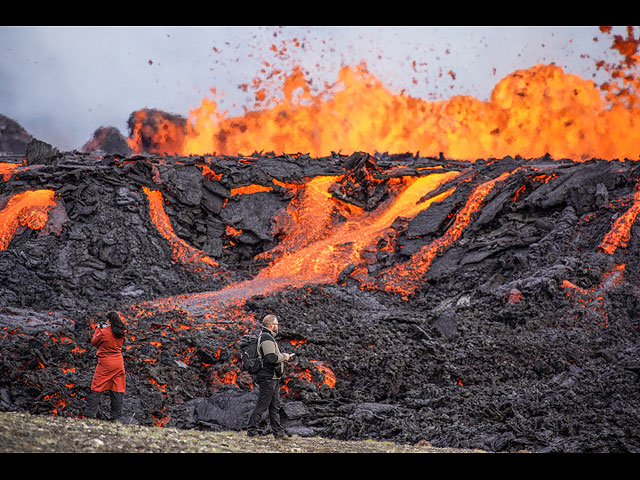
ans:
(329, 376)
(620, 233)
(592, 302)
(27, 209)
(8, 169)
(405, 278)
(182, 252)
(316, 250)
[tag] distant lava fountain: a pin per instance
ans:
(533, 112)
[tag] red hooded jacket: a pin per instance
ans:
(109, 374)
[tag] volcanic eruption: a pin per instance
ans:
(480, 291)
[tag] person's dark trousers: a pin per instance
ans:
(116, 405)
(268, 399)
(93, 402)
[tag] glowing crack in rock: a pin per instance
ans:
(182, 251)
(406, 277)
(620, 233)
(592, 302)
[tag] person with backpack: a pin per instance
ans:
(268, 379)
(109, 374)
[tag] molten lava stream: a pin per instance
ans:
(316, 251)
(182, 251)
(404, 278)
(26, 209)
(8, 169)
(322, 259)
(620, 233)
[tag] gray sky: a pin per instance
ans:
(61, 83)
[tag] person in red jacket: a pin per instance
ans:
(109, 374)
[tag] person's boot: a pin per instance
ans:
(93, 402)
(116, 405)
(252, 429)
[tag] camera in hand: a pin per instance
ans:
(102, 325)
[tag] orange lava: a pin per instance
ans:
(26, 209)
(316, 250)
(8, 169)
(593, 301)
(182, 251)
(620, 233)
(406, 277)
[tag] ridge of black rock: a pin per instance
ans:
(13, 137)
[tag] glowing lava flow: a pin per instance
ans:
(182, 252)
(620, 233)
(315, 250)
(26, 209)
(8, 169)
(322, 259)
(405, 278)
(592, 301)
(319, 251)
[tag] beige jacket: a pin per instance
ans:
(272, 358)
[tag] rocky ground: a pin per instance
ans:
(25, 433)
